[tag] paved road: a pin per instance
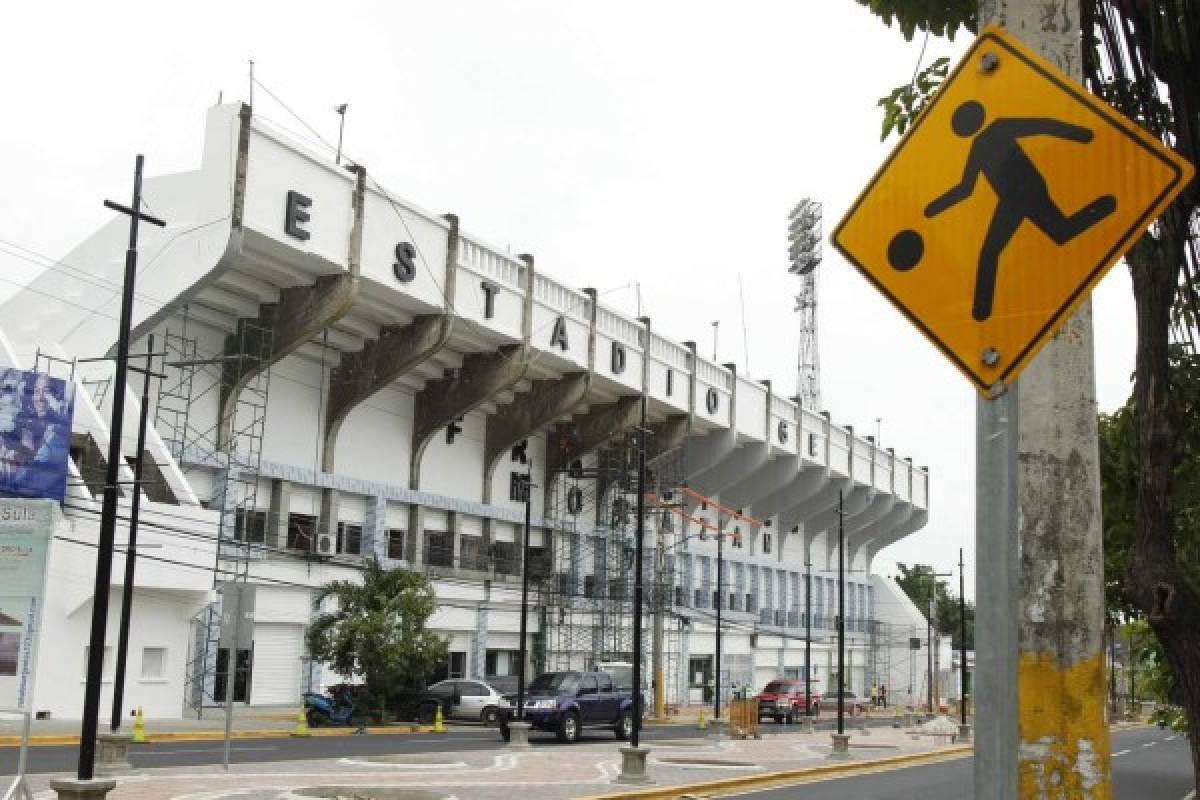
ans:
(62, 758)
(1148, 764)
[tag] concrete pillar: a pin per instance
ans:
(633, 765)
(277, 519)
(1050, 582)
(281, 328)
(398, 350)
(96, 789)
(375, 528)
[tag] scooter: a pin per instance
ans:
(335, 708)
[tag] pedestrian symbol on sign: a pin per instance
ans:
(1021, 194)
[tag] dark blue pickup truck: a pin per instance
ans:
(565, 703)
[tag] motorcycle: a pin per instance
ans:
(337, 707)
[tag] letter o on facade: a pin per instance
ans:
(574, 500)
(712, 401)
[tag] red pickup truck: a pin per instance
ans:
(784, 701)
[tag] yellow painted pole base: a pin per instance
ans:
(301, 728)
(139, 727)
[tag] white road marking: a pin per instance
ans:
(1149, 744)
(1120, 753)
(1168, 739)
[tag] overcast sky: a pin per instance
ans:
(660, 143)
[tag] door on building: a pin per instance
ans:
(278, 660)
(241, 677)
(700, 678)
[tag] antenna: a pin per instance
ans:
(804, 251)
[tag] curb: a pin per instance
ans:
(203, 736)
(783, 777)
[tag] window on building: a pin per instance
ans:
(589, 585)
(516, 487)
(349, 538)
(395, 543)
(499, 663)
(300, 531)
(716, 600)
(680, 596)
(439, 548)
(154, 663)
(699, 599)
(506, 558)
(733, 602)
(766, 543)
(250, 526)
(458, 664)
(749, 601)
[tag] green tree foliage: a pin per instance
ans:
(378, 630)
(938, 17)
(1118, 480)
(919, 583)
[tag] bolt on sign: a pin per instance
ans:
(1012, 195)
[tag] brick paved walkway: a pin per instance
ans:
(546, 772)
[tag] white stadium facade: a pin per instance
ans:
(348, 375)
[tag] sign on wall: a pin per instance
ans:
(26, 527)
(35, 434)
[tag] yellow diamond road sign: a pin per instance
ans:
(1012, 195)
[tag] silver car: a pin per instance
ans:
(475, 701)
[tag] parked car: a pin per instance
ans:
(473, 701)
(785, 701)
(853, 703)
(565, 703)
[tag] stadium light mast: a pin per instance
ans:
(804, 252)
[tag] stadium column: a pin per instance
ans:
(481, 377)
(301, 313)
(398, 350)
(546, 401)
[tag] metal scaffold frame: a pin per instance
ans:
(586, 595)
(196, 377)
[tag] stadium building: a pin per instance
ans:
(349, 375)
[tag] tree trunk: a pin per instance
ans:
(1155, 583)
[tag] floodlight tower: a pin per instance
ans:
(804, 251)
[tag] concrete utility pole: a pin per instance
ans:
(1040, 665)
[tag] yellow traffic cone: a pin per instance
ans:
(139, 727)
(702, 725)
(438, 725)
(301, 728)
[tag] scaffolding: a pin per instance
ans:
(228, 445)
(586, 597)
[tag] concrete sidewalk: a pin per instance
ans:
(546, 772)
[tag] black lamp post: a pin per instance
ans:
(524, 595)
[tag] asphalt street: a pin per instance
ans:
(1148, 764)
(62, 758)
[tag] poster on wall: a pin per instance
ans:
(26, 527)
(35, 434)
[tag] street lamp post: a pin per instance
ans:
(639, 535)
(807, 637)
(524, 595)
(841, 617)
(720, 602)
(962, 640)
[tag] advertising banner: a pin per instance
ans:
(26, 527)
(35, 434)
